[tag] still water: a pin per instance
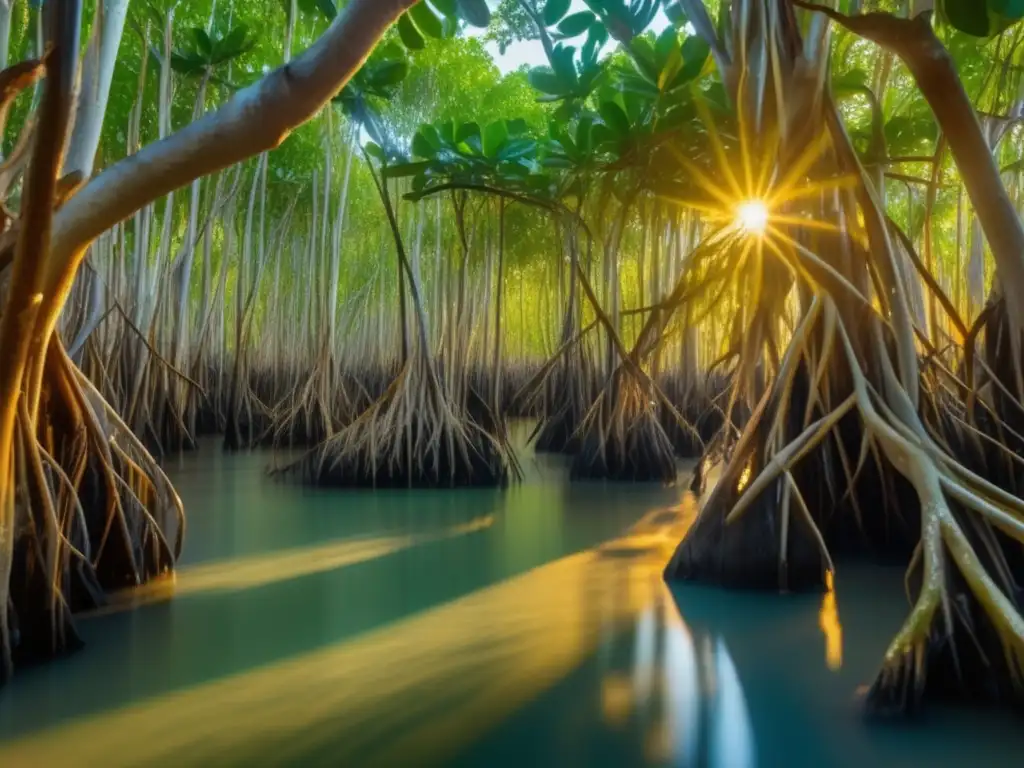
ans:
(477, 628)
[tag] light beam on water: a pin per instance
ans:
(375, 699)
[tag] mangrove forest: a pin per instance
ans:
(768, 253)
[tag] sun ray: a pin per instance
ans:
(813, 258)
(716, 145)
(766, 166)
(713, 211)
(782, 196)
(741, 119)
(797, 221)
(701, 179)
(800, 166)
(752, 217)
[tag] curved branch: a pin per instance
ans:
(256, 119)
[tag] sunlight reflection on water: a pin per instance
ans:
(421, 689)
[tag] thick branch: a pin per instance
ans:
(542, 32)
(256, 119)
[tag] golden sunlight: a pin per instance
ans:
(536, 628)
(828, 621)
(752, 217)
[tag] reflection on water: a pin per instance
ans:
(526, 628)
(260, 570)
(731, 743)
(828, 620)
(414, 691)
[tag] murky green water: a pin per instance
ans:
(475, 628)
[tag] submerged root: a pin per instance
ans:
(776, 544)
(413, 436)
(310, 413)
(93, 513)
(565, 393)
(696, 403)
(964, 637)
(621, 437)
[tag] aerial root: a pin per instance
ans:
(412, 436)
(953, 572)
(84, 476)
(621, 436)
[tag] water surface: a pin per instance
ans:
(478, 627)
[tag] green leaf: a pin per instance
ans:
(466, 131)
(677, 116)
(556, 161)
(563, 62)
(603, 137)
(495, 135)
(546, 81)
(637, 107)
(630, 81)
(450, 25)
(517, 127)
(643, 13)
(422, 147)
(387, 73)
(475, 12)
(853, 80)
(969, 16)
(567, 144)
(446, 132)
(516, 149)
(670, 69)
(667, 42)
(157, 16)
(327, 8)
(233, 41)
(644, 58)
(187, 64)
(446, 8)
(513, 168)
(615, 118)
(596, 38)
(374, 150)
(203, 44)
(1008, 9)
(675, 13)
(411, 36)
(425, 20)
(591, 77)
(403, 170)
(577, 24)
(583, 134)
(695, 54)
(905, 134)
(554, 10)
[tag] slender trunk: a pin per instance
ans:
(97, 75)
(498, 292)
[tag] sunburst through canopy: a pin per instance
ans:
(752, 217)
